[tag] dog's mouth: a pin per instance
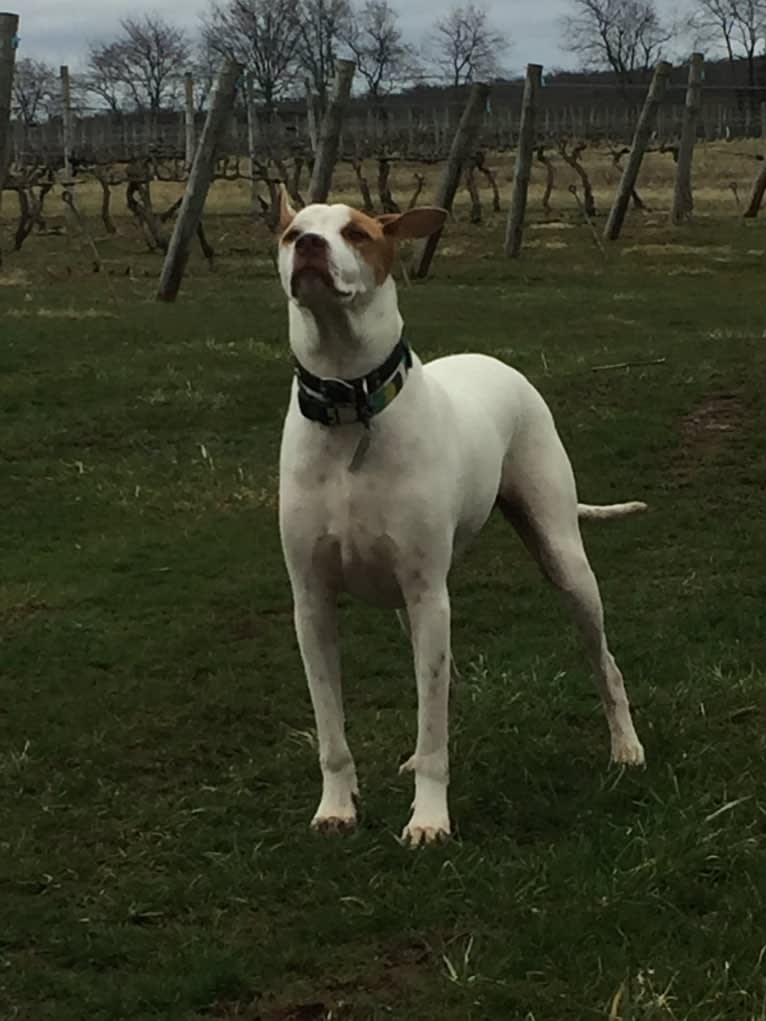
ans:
(310, 280)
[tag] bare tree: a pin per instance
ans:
(465, 47)
(155, 54)
(383, 60)
(624, 36)
(105, 74)
(749, 31)
(712, 22)
(145, 63)
(35, 91)
(740, 25)
(262, 35)
(322, 23)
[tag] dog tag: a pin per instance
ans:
(361, 450)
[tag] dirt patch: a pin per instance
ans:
(14, 616)
(246, 628)
(391, 977)
(240, 1011)
(708, 430)
(308, 1012)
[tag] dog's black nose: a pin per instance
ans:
(308, 243)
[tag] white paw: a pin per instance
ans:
(333, 823)
(337, 816)
(627, 751)
(418, 833)
(429, 822)
(337, 809)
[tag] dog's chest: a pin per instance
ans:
(355, 530)
(361, 526)
(364, 538)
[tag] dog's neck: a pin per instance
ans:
(344, 342)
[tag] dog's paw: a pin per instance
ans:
(628, 751)
(334, 823)
(417, 834)
(337, 806)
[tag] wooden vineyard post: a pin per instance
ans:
(252, 139)
(311, 116)
(756, 195)
(9, 28)
(640, 141)
(199, 182)
(462, 148)
(190, 134)
(329, 137)
(683, 199)
(514, 230)
(9, 25)
(66, 119)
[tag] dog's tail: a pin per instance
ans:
(595, 512)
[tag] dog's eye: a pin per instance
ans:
(355, 234)
(291, 235)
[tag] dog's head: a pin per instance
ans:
(338, 255)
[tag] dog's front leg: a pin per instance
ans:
(316, 626)
(429, 614)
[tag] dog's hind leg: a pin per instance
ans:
(316, 628)
(543, 509)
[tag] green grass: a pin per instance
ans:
(157, 759)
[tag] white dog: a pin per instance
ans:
(388, 469)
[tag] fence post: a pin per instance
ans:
(190, 134)
(514, 230)
(9, 27)
(640, 142)
(199, 182)
(329, 138)
(311, 116)
(252, 139)
(757, 193)
(683, 200)
(66, 119)
(462, 147)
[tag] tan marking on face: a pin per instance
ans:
(290, 235)
(366, 235)
(286, 211)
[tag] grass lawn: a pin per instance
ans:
(157, 756)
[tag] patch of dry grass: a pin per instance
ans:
(716, 166)
(32, 311)
(13, 278)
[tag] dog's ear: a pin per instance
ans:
(286, 211)
(419, 222)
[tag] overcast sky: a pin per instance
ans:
(59, 30)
